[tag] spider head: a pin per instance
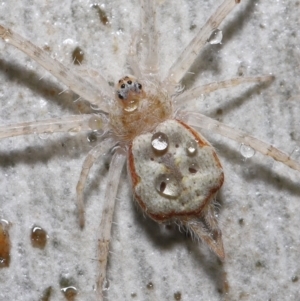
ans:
(129, 92)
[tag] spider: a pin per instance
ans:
(137, 82)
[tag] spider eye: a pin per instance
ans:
(129, 82)
(140, 86)
(120, 96)
(123, 86)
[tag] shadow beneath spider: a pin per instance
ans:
(46, 88)
(170, 237)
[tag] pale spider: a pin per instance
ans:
(112, 274)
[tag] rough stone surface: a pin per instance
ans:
(259, 212)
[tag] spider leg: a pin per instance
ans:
(190, 53)
(149, 36)
(114, 174)
(74, 123)
(90, 159)
(207, 229)
(132, 58)
(206, 89)
(204, 122)
(79, 85)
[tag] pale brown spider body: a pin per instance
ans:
(254, 201)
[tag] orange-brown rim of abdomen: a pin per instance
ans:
(173, 215)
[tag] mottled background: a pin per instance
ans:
(260, 200)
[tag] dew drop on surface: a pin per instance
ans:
(247, 151)
(215, 37)
(38, 237)
(150, 286)
(106, 285)
(67, 288)
(177, 296)
(191, 147)
(160, 142)
(77, 56)
(167, 186)
(92, 137)
(70, 292)
(95, 123)
(4, 244)
(46, 295)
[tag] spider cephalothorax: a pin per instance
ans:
(139, 107)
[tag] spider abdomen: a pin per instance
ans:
(175, 172)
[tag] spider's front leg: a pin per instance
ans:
(190, 53)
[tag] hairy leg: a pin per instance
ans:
(114, 174)
(73, 123)
(90, 159)
(192, 50)
(199, 120)
(206, 89)
(79, 85)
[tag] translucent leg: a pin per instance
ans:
(205, 89)
(82, 87)
(207, 230)
(133, 56)
(73, 124)
(92, 156)
(149, 36)
(115, 170)
(190, 53)
(204, 122)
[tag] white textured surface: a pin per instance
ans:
(39, 176)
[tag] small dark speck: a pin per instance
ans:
(77, 56)
(177, 296)
(150, 285)
(219, 112)
(295, 278)
(259, 264)
(192, 27)
(241, 221)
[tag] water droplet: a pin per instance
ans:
(193, 168)
(131, 106)
(106, 285)
(295, 155)
(4, 244)
(95, 123)
(247, 151)
(70, 292)
(150, 285)
(177, 296)
(215, 37)
(191, 147)
(160, 141)
(67, 288)
(46, 294)
(167, 185)
(92, 137)
(38, 237)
